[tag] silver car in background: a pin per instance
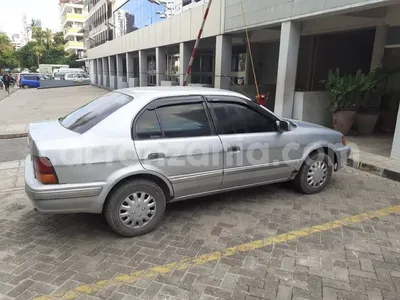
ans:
(129, 153)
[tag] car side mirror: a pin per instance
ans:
(283, 126)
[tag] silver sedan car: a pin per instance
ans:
(129, 153)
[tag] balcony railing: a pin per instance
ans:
(73, 45)
(74, 18)
(73, 31)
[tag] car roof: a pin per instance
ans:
(171, 91)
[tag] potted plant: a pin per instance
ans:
(370, 102)
(344, 98)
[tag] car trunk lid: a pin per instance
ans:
(48, 131)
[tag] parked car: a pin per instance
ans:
(58, 73)
(133, 151)
(29, 81)
(78, 77)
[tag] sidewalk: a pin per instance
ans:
(32, 105)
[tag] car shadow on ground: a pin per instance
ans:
(184, 213)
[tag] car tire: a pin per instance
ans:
(119, 200)
(25, 86)
(314, 174)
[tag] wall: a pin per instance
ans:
(312, 107)
(180, 28)
(47, 84)
(350, 51)
(268, 12)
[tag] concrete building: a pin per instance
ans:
(17, 40)
(73, 16)
(294, 44)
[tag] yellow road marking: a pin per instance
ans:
(91, 289)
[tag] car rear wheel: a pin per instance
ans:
(135, 208)
(25, 86)
(314, 174)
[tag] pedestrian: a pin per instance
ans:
(7, 80)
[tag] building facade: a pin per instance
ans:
(293, 44)
(73, 16)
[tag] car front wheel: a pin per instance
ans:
(314, 174)
(135, 208)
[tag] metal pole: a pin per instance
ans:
(196, 45)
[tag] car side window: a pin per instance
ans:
(234, 118)
(147, 126)
(184, 120)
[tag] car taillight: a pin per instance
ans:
(44, 170)
(344, 141)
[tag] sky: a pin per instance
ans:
(12, 11)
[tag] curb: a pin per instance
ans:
(9, 136)
(61, 86)
(366, 167)
(102, 87)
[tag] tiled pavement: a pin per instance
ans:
(53, 254)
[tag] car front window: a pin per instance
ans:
(89, 115)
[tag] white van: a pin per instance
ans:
(58, 73)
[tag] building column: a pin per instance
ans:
(122, 81)
(112, 72)
(161, 65)
(379, 47)
(143, 68)
(99, 72)
(130, 70)
(91, 71)
(184, 58)
(396, 139)
(106, 75)
(287, 68)
(95, 72)
(223, 62)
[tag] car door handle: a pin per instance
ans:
(156, 155)
(234, 149)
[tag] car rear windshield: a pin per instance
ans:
(89, 115)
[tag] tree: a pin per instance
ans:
(38, 50)
(58, 38)
(48, 37)
(7, 53)
(26, 56)
(38, 35)
(46, 48)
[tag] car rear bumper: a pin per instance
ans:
(342, 154)
(63, 198)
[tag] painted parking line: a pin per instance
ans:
(150, 273)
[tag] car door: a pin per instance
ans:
(175, 137)
(254, 150)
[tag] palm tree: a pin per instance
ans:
(38, 50)
(38, 35)
(48, 37)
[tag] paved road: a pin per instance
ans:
(33, 105)
(14, 149)
(279, 253)
(4, 95)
